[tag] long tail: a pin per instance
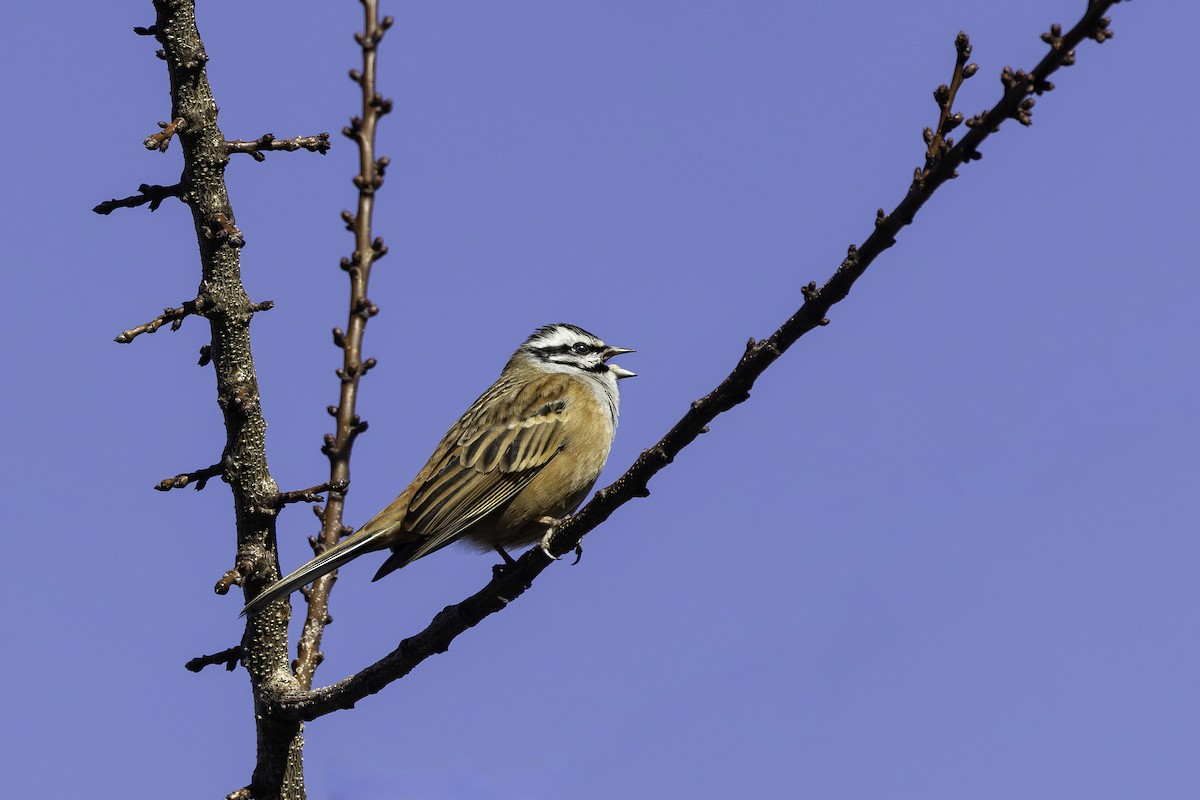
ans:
(364, 541)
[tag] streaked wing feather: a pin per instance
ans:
(501, 492)
(495, 457)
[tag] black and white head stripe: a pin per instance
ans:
(570, 349)
(568, 345)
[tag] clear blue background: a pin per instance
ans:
(947, 550)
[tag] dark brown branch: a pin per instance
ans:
(200, 477)
(161, 140)
(338, 446)
(507, 584)
(278, 771)
(938, 138)
(510, 582)
(257, 148)
(174, 316)
(147, 193)
(313, 494)
(229, 658)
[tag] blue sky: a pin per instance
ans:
(947, 550)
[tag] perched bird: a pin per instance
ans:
(523, 455)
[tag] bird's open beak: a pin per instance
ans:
(618, 371)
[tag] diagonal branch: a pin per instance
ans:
(174, 316)
(296, 704)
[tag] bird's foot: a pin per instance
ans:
(499, 569)
(544, 545)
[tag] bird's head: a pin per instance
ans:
(568, 348)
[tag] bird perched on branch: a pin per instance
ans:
(523, 455)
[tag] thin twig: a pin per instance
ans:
(314, 494)
(175, 316)
(512, 581)
(339, 445)
(200, 477)
(257, 148)
(229, 658)
(938, 138)
(147, 193)
(162, 139)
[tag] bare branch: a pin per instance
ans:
(339, 445)
(257, 148)
(147, 193)
(511, 581)
(938, 139)
(313, 494)
(200, 477)
(174, 316)
(229, 658)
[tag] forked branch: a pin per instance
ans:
(510, 583)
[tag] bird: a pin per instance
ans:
(525, 454)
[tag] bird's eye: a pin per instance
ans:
(579, 348)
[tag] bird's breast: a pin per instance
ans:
(562, 484)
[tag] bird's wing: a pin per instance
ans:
(503, 443)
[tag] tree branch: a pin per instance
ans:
(229, 658)
(174, 316)
(339, 445)
(147, 193)
(257, 148)
(200, 477)
(512, 581)
(313, 494)
(278, 771)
